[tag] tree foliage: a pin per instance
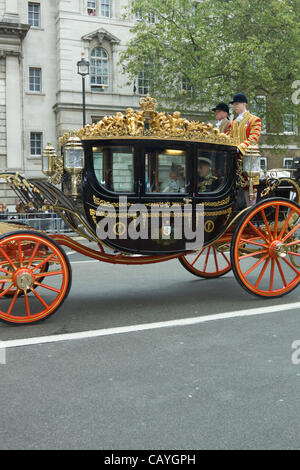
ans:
(219, 47)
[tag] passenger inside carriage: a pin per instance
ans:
(207, 182)
(176, 182)
(165, 171)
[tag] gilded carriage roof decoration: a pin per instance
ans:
(149, 123)
(148, 104)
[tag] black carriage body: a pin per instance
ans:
(148, 196)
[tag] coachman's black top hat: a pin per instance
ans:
(239, 98)
(221, 107)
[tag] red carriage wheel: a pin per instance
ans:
(210, 262)
(264, 242)
(35, 277)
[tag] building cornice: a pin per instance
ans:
(17, 30)
(11, 37)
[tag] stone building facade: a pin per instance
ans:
(40, 90)
(41, 42)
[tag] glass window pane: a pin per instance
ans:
(187, 88)
(263, 163)
(34, 14)
(151, 17)
(105, 8)
(34, 79)
(165, 171)
(144, 81)
(289, 123)
(211, 170)
(288, 163)
(99, 67)
(114, 168)
(36, 143)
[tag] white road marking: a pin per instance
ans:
(148, 326)
(88, 261)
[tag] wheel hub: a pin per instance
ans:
(24, 279)
(278, 249)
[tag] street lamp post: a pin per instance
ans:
(83, 69)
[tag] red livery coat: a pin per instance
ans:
(247, 131)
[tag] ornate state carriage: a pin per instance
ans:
(148, 187)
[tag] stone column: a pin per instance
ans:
(13, 113)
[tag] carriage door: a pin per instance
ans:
(166, 190)
(117, 191)
(212, 186)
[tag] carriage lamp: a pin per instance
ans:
(52, 165)
(74, 162)
(251, 166)
(48, 160)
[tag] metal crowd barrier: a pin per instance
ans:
(47, 222)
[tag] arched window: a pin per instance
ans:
(99, 69)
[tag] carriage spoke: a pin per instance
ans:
(281, 272)
(27, 304)
(39, 298)
(267, 225)
(251, 242)
(293, 253)
(285, 225)
(44, 262)
(296, 242)
(258, 232)
(291, 266)
(249, 255)
(52, 273)
(20, 253)
(197, 257)
(47, 287)
(8, 259)
(262, 272)
(6, 290)
(37, 245)
(225, 257)
(215, 256)
(206, 259)
(291, 232)
(272, 274)
(276, 221)
(5, 271)
(13, 302)
(255, 265)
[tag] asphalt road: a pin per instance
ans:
(229, 383)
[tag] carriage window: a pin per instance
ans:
(165, 171)
(211, 170)
(113, 168)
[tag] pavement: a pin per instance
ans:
(150, 357)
